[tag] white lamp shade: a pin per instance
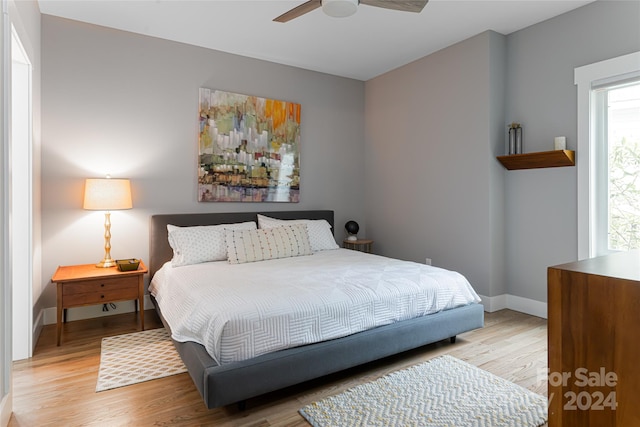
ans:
(339, 8)
(107, 194)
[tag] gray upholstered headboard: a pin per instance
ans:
(160, 251)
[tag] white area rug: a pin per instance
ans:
(443, 391)
(137, 357)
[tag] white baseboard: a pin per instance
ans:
(496, 303)
(513, 302)
(528, 306)
(89, 312)
(5, 409)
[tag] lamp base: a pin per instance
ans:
(106, 263)
(352, 237)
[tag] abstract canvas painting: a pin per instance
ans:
(249, 148)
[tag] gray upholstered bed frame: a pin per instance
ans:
(236, 382)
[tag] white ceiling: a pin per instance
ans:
(362, 46)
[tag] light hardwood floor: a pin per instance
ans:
(57, 386)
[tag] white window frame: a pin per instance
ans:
(586, 77)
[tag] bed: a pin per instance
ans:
(224, 378)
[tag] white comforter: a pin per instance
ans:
(239, 311)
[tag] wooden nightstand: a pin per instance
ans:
(362, 245)
(80, 285)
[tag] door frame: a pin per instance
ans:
(6, 356)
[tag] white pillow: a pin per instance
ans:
(319, 230)
(259, 245)
(194, 245)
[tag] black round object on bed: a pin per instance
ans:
(352, 227)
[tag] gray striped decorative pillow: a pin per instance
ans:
(259, 245)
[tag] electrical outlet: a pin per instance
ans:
(427, 261)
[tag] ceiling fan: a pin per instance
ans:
(343, 8)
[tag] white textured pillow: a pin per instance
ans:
(258, 245)
(194, 245)
(319, 230)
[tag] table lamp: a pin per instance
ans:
(107, 194)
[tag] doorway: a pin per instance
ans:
(21, 200)
(5, 246)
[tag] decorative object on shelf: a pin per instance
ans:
(352, 228)
(107, 194)
(248, 148)
(560, 143)
(512, 139)
(515, 138)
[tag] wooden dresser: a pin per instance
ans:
(594, 342)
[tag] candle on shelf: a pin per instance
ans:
(560, 143)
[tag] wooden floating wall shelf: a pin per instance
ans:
(543, 159)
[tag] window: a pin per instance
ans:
(608, 157)
(616, 116)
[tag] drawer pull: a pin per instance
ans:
(102, 285)
(101, 296)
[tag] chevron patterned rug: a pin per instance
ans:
(137, 357)
(443, 391)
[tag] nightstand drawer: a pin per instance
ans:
(99, 291)
(99, 285)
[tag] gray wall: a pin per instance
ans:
(434, 188)
(541, 205)
(434, 128)
(126, 104)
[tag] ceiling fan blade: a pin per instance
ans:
(404, 6)
(297, 11)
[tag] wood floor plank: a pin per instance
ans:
(57, 386)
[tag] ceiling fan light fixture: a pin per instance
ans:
(339, 8)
